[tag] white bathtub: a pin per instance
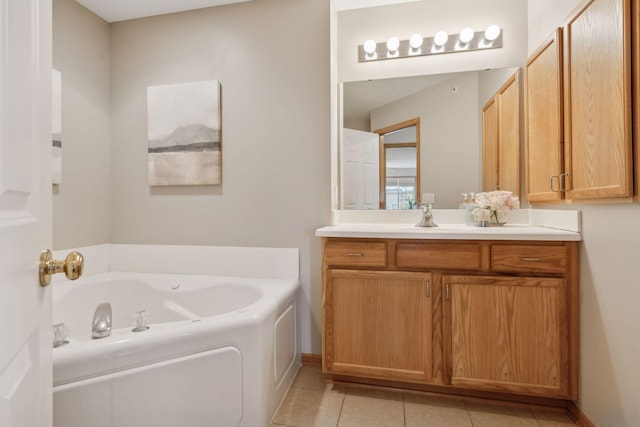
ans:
(220, 351)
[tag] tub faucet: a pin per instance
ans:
(427, 217)
(101, 326)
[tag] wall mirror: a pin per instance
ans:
(447, 110)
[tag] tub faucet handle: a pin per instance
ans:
(101, 326)
(140, 321)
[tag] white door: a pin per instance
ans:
(25, 212)
(360, 171)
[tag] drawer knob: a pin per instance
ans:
(356, 254)
(530, 259)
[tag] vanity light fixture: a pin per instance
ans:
(492, 33)
(440, 39)
(417, 45)
(392, 47)
(415, 42)
(370, 49)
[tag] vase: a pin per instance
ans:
(498, 219)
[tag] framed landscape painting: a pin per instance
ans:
(184, 134)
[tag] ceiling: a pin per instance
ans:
(123, 10)
(360, 98)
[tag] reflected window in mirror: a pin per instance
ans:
(400, 165)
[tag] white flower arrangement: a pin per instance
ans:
(499, 203)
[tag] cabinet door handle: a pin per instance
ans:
(427, 289)
(551, 183)
(530, 259)
(563, 182)
(356, 254)
(446, 291)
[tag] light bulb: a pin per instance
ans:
(392, 44)
(416, 40)
(492, 32)
(440, 39)
(466, 35)
(370, 46)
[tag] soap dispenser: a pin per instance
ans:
(470, 207)
(465, 202)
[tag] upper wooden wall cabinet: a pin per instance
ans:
(501, 138)
(578, 115)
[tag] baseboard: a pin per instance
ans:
(311, 359)
(579, 416)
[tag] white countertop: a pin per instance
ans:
(447, 231)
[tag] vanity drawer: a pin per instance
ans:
(531, 259)
(355, 254)
(439, 256)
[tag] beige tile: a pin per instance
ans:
(375, 392)
(310, 408)
(496, 408)
(485, 415)
(449, 402)
(434, 415)
(312, 378)
(551, 423)
(362, 411)
(553, 418)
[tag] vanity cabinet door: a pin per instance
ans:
(543, 121)
(377, 324)
(507, 334)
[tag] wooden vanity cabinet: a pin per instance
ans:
(480, 316)
(578, 115)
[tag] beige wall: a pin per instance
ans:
(81, 204)
(609, 291)
(272, 60)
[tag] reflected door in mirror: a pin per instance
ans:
(400, 165)
(359, 174)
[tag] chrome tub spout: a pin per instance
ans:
(101, 326)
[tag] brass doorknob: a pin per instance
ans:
(72, 266)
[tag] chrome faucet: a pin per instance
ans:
(427, 217)
(101, 326)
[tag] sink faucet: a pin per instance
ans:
(101, 326)
(427, 217)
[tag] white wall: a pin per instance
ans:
(609, 291)
(81, 204)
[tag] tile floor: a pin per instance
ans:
(311, 402)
